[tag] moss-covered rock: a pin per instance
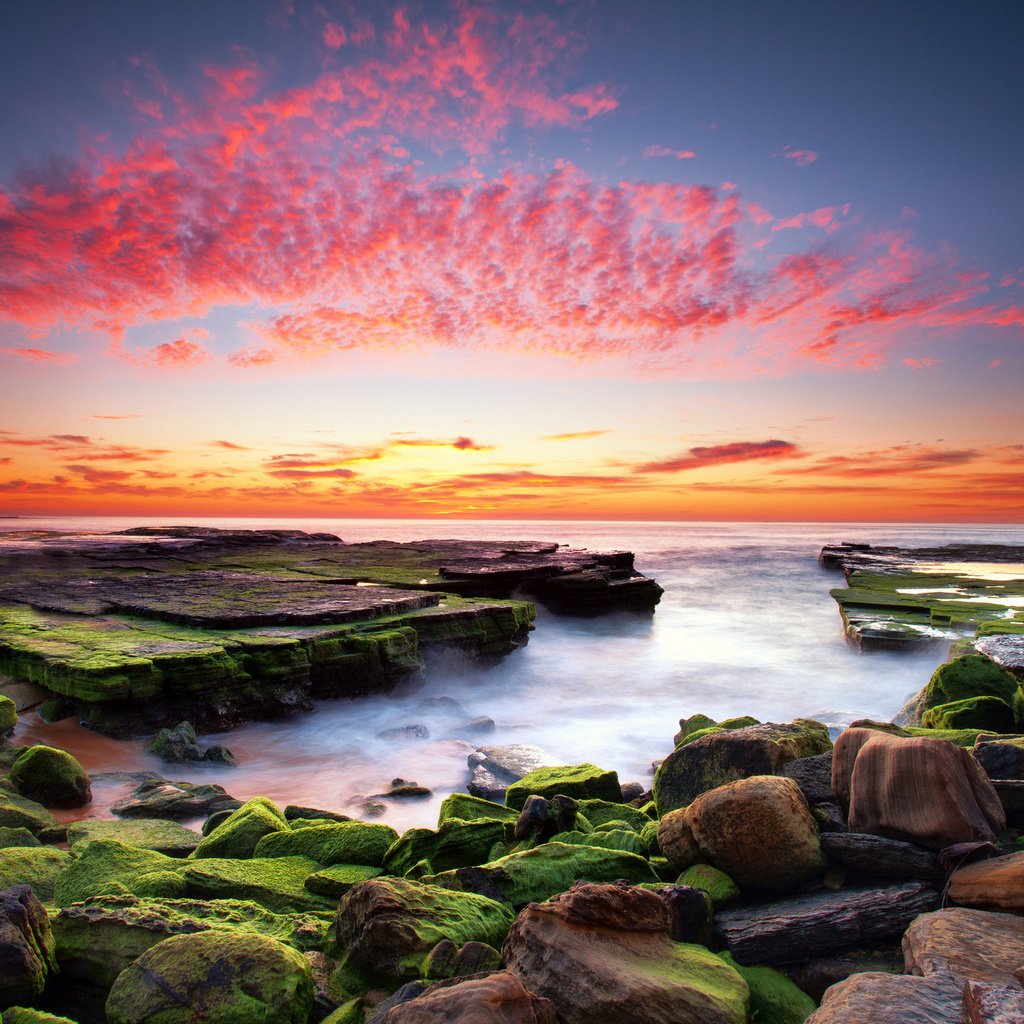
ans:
(37, 866)
(473, 808)
(538, 874)
(28, 1015)
(108, 867)
(20, 812)
(336, 880)
(334, 842)
(989, 713)
(16, 837)
(239, 834)
(455, 844)
(971, 675)
(143, 833)
(8, 715)
(774, 999)
(610, 839)
(580, 781)
(601, 812)
(52, 777)
(721, 889)
(385, 928)
(210, 976)
(276, 883)
(688, 726)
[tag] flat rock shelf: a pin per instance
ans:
(142, 629)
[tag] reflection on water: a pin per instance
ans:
(746, 626)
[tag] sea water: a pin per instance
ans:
(746, 626)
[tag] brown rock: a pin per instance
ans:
(970, 944)
(676, 842)
(602, 953)
(996, 884)
(985, 1003)
(26, 946)
(921, 790)
(759, 831)
(498, 998)
(879, 998)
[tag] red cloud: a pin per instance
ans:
(179, 352)
(230, 445)
(39, 355)
(897, 461)
(716, 455)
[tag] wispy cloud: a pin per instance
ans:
(41, 355)
(801, 157)
(717, 455)
(654, 152)
(578, 435)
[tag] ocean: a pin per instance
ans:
(746, 627)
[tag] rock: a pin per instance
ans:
(1001, 759)
(20, 812)
(882, 858)
(473, 808)
(676, 841)
(495, 768)
(966, 944)
(51, 777)
(385, 927)
(405, 733)
(688, 726)
(600, 812)
(159, 798)
(240, 834)
(178, 745)
(27, 957)
(482, 725)
(540, 819)
(229, 978)
(817, 975)
(969, 676)
(759, 831)
(400, 788)
(446, 960)
(580, 782)
(606, 839)
(15, 837)
(689, 913)
(989, 713)
(498, 998)
(882, 998)
(484, 784)
(8, 716)
(37, 866)
(632, 791)
(923, 791)
(27, 1015)
(143, 833)
(720, 888)
(336, 880)
(721, 757)
(455, 844)
(773, 997)
(220, 755)
(602, 953)
(534, 875)
(995, 884)
(814, 777)
(346, 842)
(276, 883)
(804, 927)
(105, 867)
(1005, 649)
(992, 1004)
(293, 812)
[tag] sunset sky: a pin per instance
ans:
(583, 260)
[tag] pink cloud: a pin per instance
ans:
(652, 152)
(716, 455)
(39, 355)
(334, 35)
(801, 157)
(919, 364)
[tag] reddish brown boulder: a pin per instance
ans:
(879, 998)
(759, 831)
(992, 1004)
(498, 998)
(676, 842)
(921, 790)
(968, 944)
(996, 884)
(602, 953)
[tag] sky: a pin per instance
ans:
(536, 260)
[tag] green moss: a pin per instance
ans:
(38, 866)
(336, 880)
(344, 842)
(691, 725)
(581, 782)
(8, 715)
(105, 867)
(972, 675)
(612, 839)
(160, 885)
(143, 833)
(472, 808)
(601, 812)
(988, 713)
(774, 999)
(26, 1015)
(52, 777)
(20, 812)
(350, 1012)
(649, 834)
(276, 883)
(717, 884)
(533, 876)
(455, 844)
(239, 835)
(16, 837)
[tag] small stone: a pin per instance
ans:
(220, 755)
(405, 733)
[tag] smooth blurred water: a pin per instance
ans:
(746, 626)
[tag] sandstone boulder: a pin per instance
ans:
(759, 831)
(882, 998)
(602, 953)
(985, 1003)
(920, 790)
(497, 998)
(996, 884)
(26, 946)
(675, 839)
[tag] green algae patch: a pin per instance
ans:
(455, 844)
(241, 832)
(473, 808)
(20, 812)
(774, 999)
(51, 777)
(276, 883)
(343, 842)
(8, 715)
(601, 812)
(581, 782)
(532, 876)
(108, 867)
(610, 839)
(649, 834)
(988, 713)
(969, 676)
(334, 881)
(16, 837)
(143, 833)
(28, 1015)
(721, 889)
(38, 866)
(227, 978)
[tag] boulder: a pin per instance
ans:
(446, 960)
(341, 842)
(15, 837)
(454, 844)
(989, 713)
(1001, 759)
(473, 808)
(600, 812)
(37, 866)
(882, 998)
(108, 867)
(240, 834)
(881, 858)
(231, 978)
(293, 812)
(27, 956)
(971, 675)
(51, 777)
(814, 777)
(386, 927)
(580, 781)
(540, 873)
(28, 1015)
(177, 745)
(143, 833)
(497, 998)
(159, 798)
(725, 756)
(817, 975)
(276, 883)
(336, 880)
(721, 889)
(925, 791)
(759, 831)
(689, 913)
(602, 953)
(675, 840)
(966, 944)
(694, 723)
(495, 768)
(606, 839)
(541, 818)
(995, 884)
(8, 716)
(20, 812)
(774, 999)
(985, 1003)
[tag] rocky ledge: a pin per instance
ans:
(139, 630)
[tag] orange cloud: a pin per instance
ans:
(578, 435)
(896, 461)
(39, 355)
(716, 455)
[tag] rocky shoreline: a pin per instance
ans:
(767, 873)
